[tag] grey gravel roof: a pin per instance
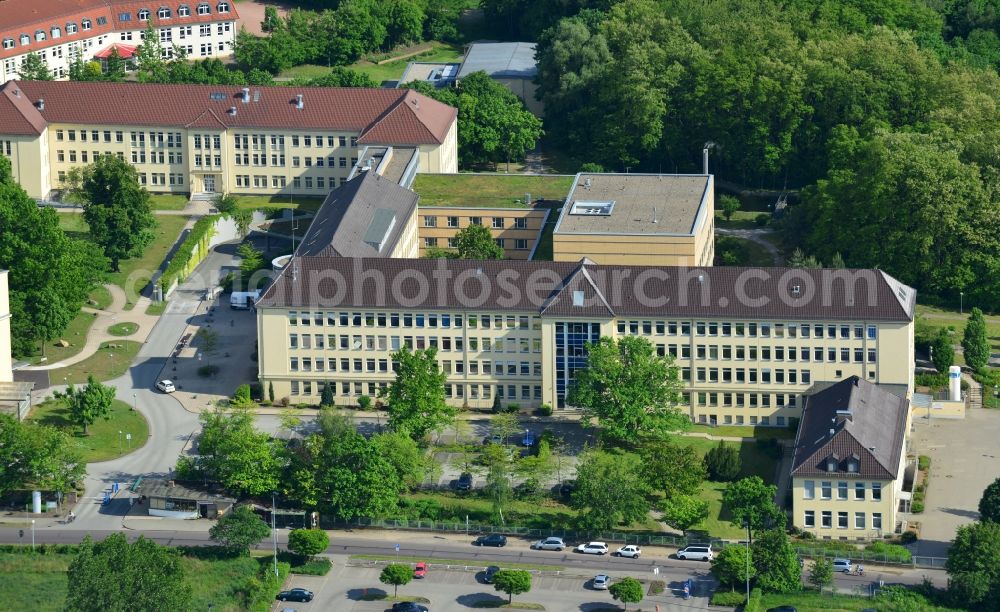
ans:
(536, 286)
(347, 215)
(500, 60)
(873, 434)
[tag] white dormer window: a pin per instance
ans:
(56, 32)
(578, 298)
(70, 28)
(39, 35)
(25, 40)
(222, 7)
(184, 11)
(143, 15)
(203, 9)
(86, 24)
(8, 43)
(164, 13)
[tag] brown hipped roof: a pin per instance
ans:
(386, 115)
(736, 293)
(18, 116)
(853, 420)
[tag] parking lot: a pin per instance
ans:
(450, 590)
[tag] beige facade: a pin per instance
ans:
(517, 230)
(638, 219)
(845, 508)
(6, 373)
(736, 372)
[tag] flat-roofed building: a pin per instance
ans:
(207, 139)
(511, 64)
(849, 460)
(627, 219)
(748, 343)
(60, 31)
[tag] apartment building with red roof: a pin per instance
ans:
(58, 31)
(205, 139)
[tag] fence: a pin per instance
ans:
(929, 562)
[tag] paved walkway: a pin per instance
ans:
(98, 333)
(756, 236)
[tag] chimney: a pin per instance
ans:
(298, 102)
(170, 483)
(832, 431)
(246, 95)
(40, 104)
(232, 110)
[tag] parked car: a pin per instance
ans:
(494, 539)
(297, 594)
(601, 582)
(632, 551)
(549, 544)
(420, 571)
(489, 573)
(464, 482)
(701, 552)
(842, 565)
(528, 439)
(167, 386)
(409, 606)
(593, 548)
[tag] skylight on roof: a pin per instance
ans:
(217, 96)
(581, 207)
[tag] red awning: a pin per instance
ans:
(124, 51)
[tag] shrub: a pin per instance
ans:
(908, 537)
(729, 599)
(261, 590)
(923, 462)
(545, 410)
(513, 408)
(285, 401)
(722, 462)
(364, 402)
(917, 507)
(934, 381)
(762, 219)
(893, 551)
(197, 240)
(242, 394)
(308, 542)
(754, 603)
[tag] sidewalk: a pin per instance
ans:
(98, 333)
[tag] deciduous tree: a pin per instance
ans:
(729, 566)
(240, 529)
(115, 575)
(989, 503)
(776, 562)
(33, 68)
(609, 490)
(821, 574)
(729, 206)
(115, 207)
(35, 455)
(627, 590)
(232, 451)
(974, 565)
(628, 388)
(397, 575)
(415, 398)
(87, 404)
(673, 468)
(476, 242)
(308, 542)
(683, 512)
(749, 499)
(512, 582)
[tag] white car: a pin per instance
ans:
(698, 553)
(549, 544)
(593, 548)
(631, 551)
(167, 386)
(601, 582)
(842, 565)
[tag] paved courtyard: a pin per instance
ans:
(965, 459)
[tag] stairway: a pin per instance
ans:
(975, 394)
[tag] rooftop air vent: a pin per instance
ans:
(796, 289)
(587, 183)
(299, 104)
(246, 95)
(40, 105)
(232, 110)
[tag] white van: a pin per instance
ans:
(697, 553)
(243, 299)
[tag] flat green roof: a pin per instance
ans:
(490, 190)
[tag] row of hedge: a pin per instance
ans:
(190, 252)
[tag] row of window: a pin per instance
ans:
(470, 391)
(160, 179)
(417, 320)
(260, 141)
(496, 222)
(54, 32)
(843, 488)
(767, 353)
(750, 330)
(843, 520)
(278, 159)
(260, 181)
(371, 365)
(765, 421)
(742, 400)
(394, 343)
(520, 244)
(183, 10)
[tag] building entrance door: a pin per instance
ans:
(209, 183)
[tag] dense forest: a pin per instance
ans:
(883, 112)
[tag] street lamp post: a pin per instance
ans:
(274, 534)
(32, 535)
(134, 404)
(119, 441)
(961, 302)
(747, 524)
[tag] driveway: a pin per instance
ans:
(964, 461)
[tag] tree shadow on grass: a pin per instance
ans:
(369, 594)
(471, 599)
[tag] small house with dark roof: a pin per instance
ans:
(849, 461)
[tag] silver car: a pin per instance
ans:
(549, 544)
(601, 582)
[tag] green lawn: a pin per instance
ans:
(75, 334)
(123, 329)
(73, 224)
(168, 201)
(39, 582)
(489, 190)
(134, 274)
(543, 252)
(748, 252)
(936, 317)
(742, 219)
(832, 602)
(156, 308)
(100, 298)
(744, 431)
(305, 71)
(106, 364)
(392, 71)
(305, 203)
(102, 441)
